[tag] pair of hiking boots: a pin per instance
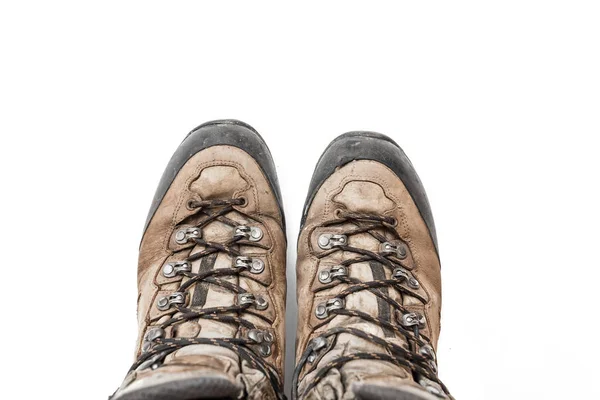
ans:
(212, 281)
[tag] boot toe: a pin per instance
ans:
(218, 133)
(363, 145)
(376, 392)
(202, 387)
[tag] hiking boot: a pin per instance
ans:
(211, 274)
(369, 278)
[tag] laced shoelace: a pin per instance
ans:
(247, 348)
(419, 357)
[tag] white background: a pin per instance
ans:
(496, 103)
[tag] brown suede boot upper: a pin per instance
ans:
(369, 283)
(211, 280)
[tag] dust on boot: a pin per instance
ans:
(369, 278)
(211, 274)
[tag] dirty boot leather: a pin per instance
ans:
(211, 274)
(368, 275)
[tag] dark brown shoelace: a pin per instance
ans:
(213, 210)
(421, 365)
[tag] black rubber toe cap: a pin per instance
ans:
(215, 133)
(377, 147)
(201, 388)
(374, 392)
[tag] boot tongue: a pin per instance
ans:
(364, 300)
(203, 295)
(338, 383)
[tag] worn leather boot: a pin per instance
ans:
(211, 274)
(369, 278)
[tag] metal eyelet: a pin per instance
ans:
(428, 352)
(329, 274)
(413, 319)
(401, 273)
(175, 268)
(259, 302)
(254, 265)
(323, 309)
(164, 303)
(397, 249)
(190, 204)
(264, 338)
(154, 362)
(432, 387)
(338, 213)
(151, 335)
(316, 345)
(252, 233)
(330, 240)
(185, 235)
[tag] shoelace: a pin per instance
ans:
(249, 348)
(420, 357)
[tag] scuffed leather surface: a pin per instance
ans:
(362, 186)
(227, 132)
(374, 146)
(217, 172)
